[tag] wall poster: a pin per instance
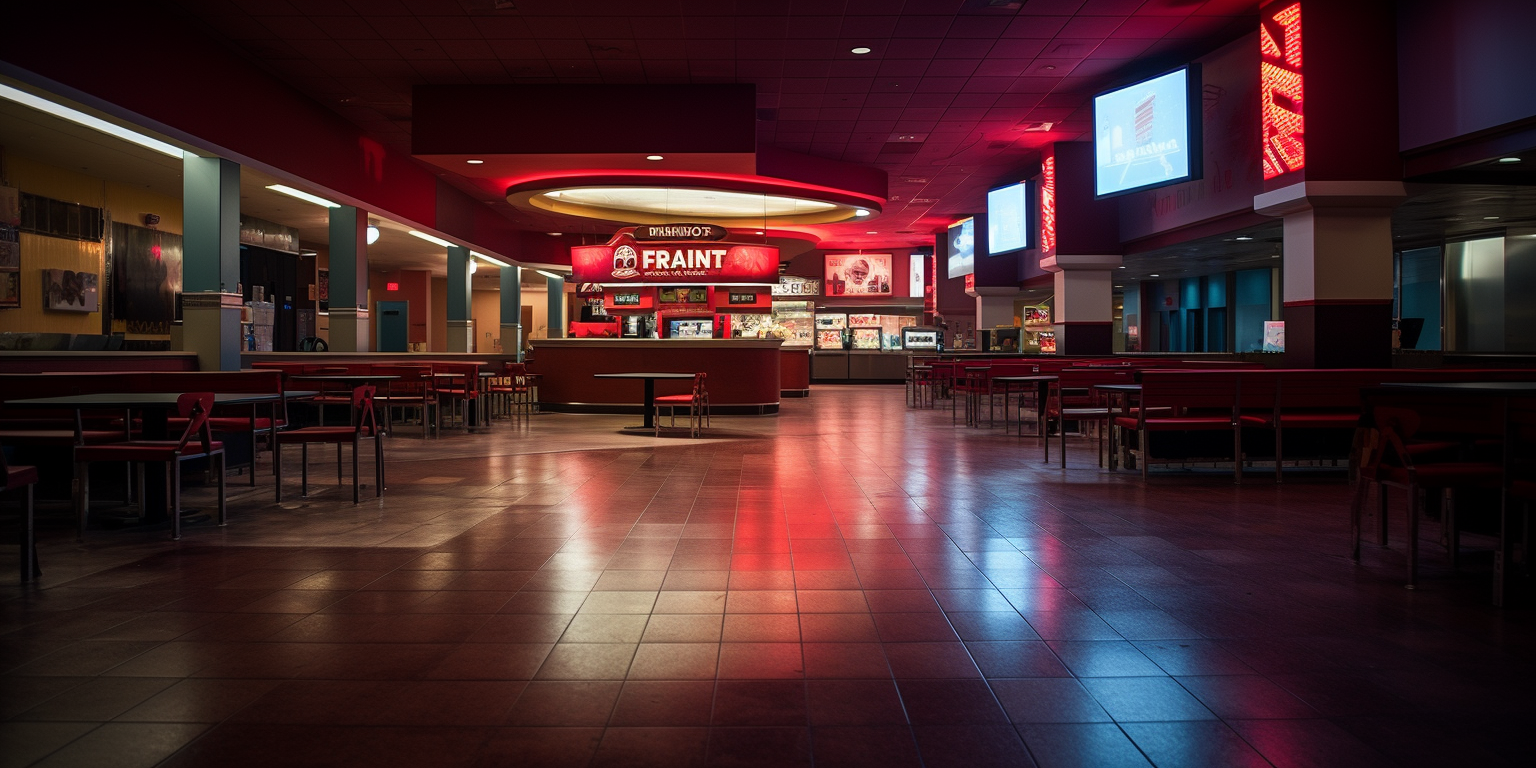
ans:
(10, 247)
(146, 277)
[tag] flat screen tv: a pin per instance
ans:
(1008, 219)
(962, 248)
(1147, 134)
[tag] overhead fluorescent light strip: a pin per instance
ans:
(302, 195)
(489, 259)
(431, 239)
(94, 123)
(550, 275)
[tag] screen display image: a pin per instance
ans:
(920, 338)
(962, 248)
(829, 339)
(859, 274)
(916, 275)
(693, 329)
(866, 338)
(828, 322)
(1008, 219)
(1146, 135)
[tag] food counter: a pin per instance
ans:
(860, 366)
(744, 374)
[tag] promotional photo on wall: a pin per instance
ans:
(861, 274)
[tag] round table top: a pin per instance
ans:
(642, 375)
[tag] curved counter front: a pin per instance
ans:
(743, 373)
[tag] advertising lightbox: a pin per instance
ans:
(962, 248)
(1008, 219)
(1148, 134)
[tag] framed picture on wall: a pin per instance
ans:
(66, 290)
(10, 289)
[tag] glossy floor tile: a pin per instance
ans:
(850, 583)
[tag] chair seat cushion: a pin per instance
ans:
(674, 399)
(142, 450)
(1188, 423)
(1448, 474)
(237, 423)
(1304, 420)
(1085, 412)
(16, 477)
(59, 437)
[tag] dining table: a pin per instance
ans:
(650, 378)
(154, 412)
(1042, 385)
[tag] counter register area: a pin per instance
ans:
(665, 288)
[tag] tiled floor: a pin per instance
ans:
(851, 583)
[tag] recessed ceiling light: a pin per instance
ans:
(1490, 218)
(861, 50)
(1509, 159)
(554, 234)
(1122, 267)
(654, 157)
(1242, 239)
(1151, 275)
(302, 195)
(759, 232)
(861, 212)
(872, 232)
(475, 162)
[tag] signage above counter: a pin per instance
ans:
(627, 260)
(668, 232)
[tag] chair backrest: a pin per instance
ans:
(195, 407)
(364, 421)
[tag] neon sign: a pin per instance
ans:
(1280, 79)
(1048, 206)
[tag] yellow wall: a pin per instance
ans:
(485, 308)
(123, 203)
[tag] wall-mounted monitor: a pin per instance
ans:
(1008, 219)
(1148, 134)
(962, 248)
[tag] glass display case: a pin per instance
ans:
(829, 338)
(865, 338)
(796, 320)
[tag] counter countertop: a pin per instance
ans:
(661, 343)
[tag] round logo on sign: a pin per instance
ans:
(624, 261)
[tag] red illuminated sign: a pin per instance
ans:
(1280, 80)
(623, 260)
(1048, 206)
(391, 286)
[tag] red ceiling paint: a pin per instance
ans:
(1280, 79)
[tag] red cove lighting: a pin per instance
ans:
(1280, 79)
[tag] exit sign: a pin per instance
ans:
(391, 286)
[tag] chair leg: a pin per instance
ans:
(29, 568)
(338, 464)
(1452, 530)
(1061, 431)
(378, 465)
(1381, 514)
(173, 496)
(277, 471)
(1356, 511)
(1279, 454)
(223, 500)
(82, 497)
(356, 481)
(304, 470)
(1141, 440)
(1413, 538)
(1237, 454)
(253, 459)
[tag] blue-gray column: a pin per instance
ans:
(348, 250)
(512, 311)
(460, 328)
(555, 327)
(210, 268)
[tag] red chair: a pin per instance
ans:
(516, 389)
(697, 403)
(413, 390)
(194, 407)
(458, 384)
(364, 425)
(23, 477)
(1390, 460)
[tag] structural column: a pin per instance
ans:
(1336, 285)
(512, 311)
(349, 281)
(211, 262)
(1080, 244)
(1084, 315)
(461, 329)
(555, 327)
